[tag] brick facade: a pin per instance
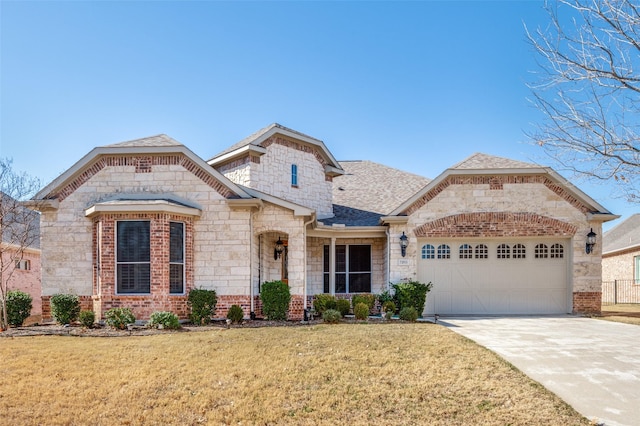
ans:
(620, 265)
(587, 302)
(25, 280)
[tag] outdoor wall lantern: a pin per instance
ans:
(591, 241)
(403, 244)
(278, 249)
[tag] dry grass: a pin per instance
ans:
(401, 374)
(623, 307)
(627, 313)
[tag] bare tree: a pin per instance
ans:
(19, 226)
(589, 89)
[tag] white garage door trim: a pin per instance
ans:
(525, 282)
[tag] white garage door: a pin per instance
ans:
(495, 276)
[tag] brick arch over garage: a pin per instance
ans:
(495, 224)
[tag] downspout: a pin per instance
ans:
(304, 288)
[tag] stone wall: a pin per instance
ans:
(220, 252)
(519, 207)
(272, 174)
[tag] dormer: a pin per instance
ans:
(283, 163)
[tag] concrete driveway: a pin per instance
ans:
(593, 365)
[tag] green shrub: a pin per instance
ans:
(18, 307)
(361, 311)
(331, 316)
(275, 298)
(163, 319)
(87, 318)
(343, 306)
(367, 299)
(389, 307)
(408, 313)
(411, 294)
(65, 308)
(202, 304)
(118, 318)
(322, 302)
(385, 296)
(388, 314)
(235, 314)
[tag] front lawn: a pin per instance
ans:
(628, 313)
(359, 374)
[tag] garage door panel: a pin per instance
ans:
(496, 286)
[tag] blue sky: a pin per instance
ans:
(417, 85)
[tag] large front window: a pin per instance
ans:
(133, 257)
(352, 269)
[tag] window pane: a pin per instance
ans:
(557, 251)
(134, 241)
(360, 283)
(325, 261)
(519, 251)
(444, 251)
(341, 258)
(541, 251)
(134, 278)
(176, 242)
(465, 251)
(428, 251)
(176, 277)
(503, 251)
(482, 251)
(360, 258)
(341, 283)
(326, 283)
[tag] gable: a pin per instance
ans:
(495, 173)
(143, 156)
(250, 149)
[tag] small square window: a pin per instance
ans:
(24, 265)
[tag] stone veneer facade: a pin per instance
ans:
(504, 206)
(271, 173)
(229, 247)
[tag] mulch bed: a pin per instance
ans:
(104, 331)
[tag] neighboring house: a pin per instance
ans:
(21, 252)
(140, 223)
(621, 262)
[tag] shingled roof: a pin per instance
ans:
(368, 191)
(623, 236)
(252, 138)
(153, 141)
(480, 161)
